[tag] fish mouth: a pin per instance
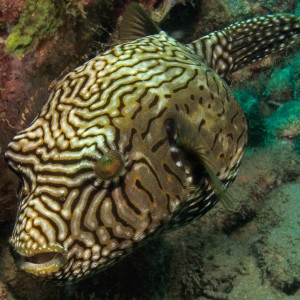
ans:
(41, 264)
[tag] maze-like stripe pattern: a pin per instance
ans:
(120, 101)
(247, 41)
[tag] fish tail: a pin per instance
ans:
(247, 41)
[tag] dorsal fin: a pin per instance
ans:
(244, 42)
(136, 23)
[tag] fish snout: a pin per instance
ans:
(39, 262)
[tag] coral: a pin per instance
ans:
(39, 20)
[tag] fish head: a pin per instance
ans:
(84, 202)
(57, 230)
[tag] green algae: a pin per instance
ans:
(271, 103)
(285, 121)
(39, 21)
(297, 145)
(257, 130)
(297, 10)
(284, 77)
(238, 9)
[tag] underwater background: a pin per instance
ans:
(251, 252)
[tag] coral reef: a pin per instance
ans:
(283, 82)
(273, 108)
(38, 20)
(222, 255)
(10, 11)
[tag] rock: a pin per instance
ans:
(279, 244)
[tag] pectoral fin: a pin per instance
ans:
(187, 136)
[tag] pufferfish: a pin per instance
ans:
(138, 141)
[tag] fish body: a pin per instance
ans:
(140, 140)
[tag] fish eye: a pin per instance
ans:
(110, 165)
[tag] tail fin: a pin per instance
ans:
(244, 42)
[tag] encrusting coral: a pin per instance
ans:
(38, 20)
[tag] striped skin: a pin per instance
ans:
(119, 100)
(247, 41)
(118, 105)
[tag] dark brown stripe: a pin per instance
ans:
(216, 138)
(141, 187)
(158, 145)
(154, 102)
(169, 171)
(187, 82)
(234, 116)
(202, 123)
(151, 120)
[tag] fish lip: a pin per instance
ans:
(42, 262)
